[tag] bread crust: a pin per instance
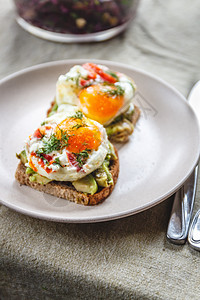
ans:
(136, 115)
(66, 190)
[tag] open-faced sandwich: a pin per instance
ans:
(69, 156)
(100, 94)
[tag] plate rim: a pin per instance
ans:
(118, 215)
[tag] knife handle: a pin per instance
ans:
(194, 232)
(182, 210)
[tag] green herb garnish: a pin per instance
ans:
(82, 156)
(113, 74)
(75, 79)
(78, 115)
(57, 162)
(117, 91)
(39, 153)
(77, 126)
(53, 143)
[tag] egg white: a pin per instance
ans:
(68, 172)
(67, 88)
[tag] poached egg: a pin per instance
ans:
(98, 92)
(67, 147)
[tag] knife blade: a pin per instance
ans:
(182, 208)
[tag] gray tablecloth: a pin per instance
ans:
(123, 259)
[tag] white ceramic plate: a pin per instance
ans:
(156, 161)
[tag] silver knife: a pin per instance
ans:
(182, 208)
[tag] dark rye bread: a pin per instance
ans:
(66, 190)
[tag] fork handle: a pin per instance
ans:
(194, 232)
(182, 210)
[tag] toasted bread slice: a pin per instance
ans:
(66, 190)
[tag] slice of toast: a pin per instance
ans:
(66, 190)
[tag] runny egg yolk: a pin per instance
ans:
(101, 102)
(81, 134)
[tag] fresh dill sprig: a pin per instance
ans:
(112, 90)
(82, 156)
(117, 91)
(54, 143)
(57, 162)
(77, 126)
(78, 115)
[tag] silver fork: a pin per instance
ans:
(194, 232)
(184, 199)
(181, 214)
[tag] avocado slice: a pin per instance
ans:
(30, 171)
(35, 177)
(39, 179)
(86, 184)
(101, 178)
(103, 175)
(111, 152)
(129, 113)
(120, 131)
(121, 127)
(22, 157)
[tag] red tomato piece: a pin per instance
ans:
(37, 134)
(47, 157)
(100, 72)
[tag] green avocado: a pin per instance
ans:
(128, 114)
(122, 126)
(120, 131)
(101, 178)
(35, 177)
(39, 179)
(86, 184)
(111, 152)
(22, 157)
(103, 175)
(30, 171)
